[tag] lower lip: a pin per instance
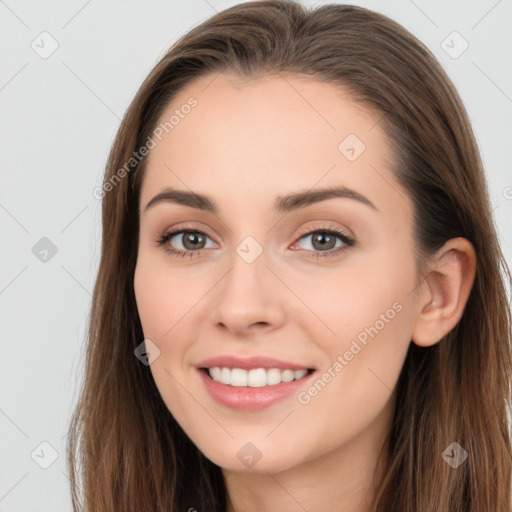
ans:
(251, 399)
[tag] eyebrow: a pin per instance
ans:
(283, 204)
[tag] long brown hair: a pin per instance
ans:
(126, 451)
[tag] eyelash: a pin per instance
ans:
(349, 242)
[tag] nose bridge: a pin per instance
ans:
(246, 281)
(246, 295)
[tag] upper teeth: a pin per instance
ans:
(254, 378)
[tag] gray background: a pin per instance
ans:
(59, 116)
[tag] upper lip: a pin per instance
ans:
(250, 363)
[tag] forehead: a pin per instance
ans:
(268, 136)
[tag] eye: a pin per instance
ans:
(320, 242)
(325, 241)
(185, 242)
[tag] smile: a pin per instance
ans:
(255, 378)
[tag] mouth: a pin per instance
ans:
(253, 389)
(252, 382)
(256, 377)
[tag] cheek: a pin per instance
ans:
(164, 300)
(152, 302)
(370, 315)
(163, 297)
(351, 299)
(366, 322)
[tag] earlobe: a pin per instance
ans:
(445, 292)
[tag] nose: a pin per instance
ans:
(249, 298)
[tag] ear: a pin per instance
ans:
(445, 291)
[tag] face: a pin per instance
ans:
(278, 296)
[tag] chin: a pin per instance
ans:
(247, 457)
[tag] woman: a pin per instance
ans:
(300, 301)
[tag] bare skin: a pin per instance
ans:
(244, 145)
